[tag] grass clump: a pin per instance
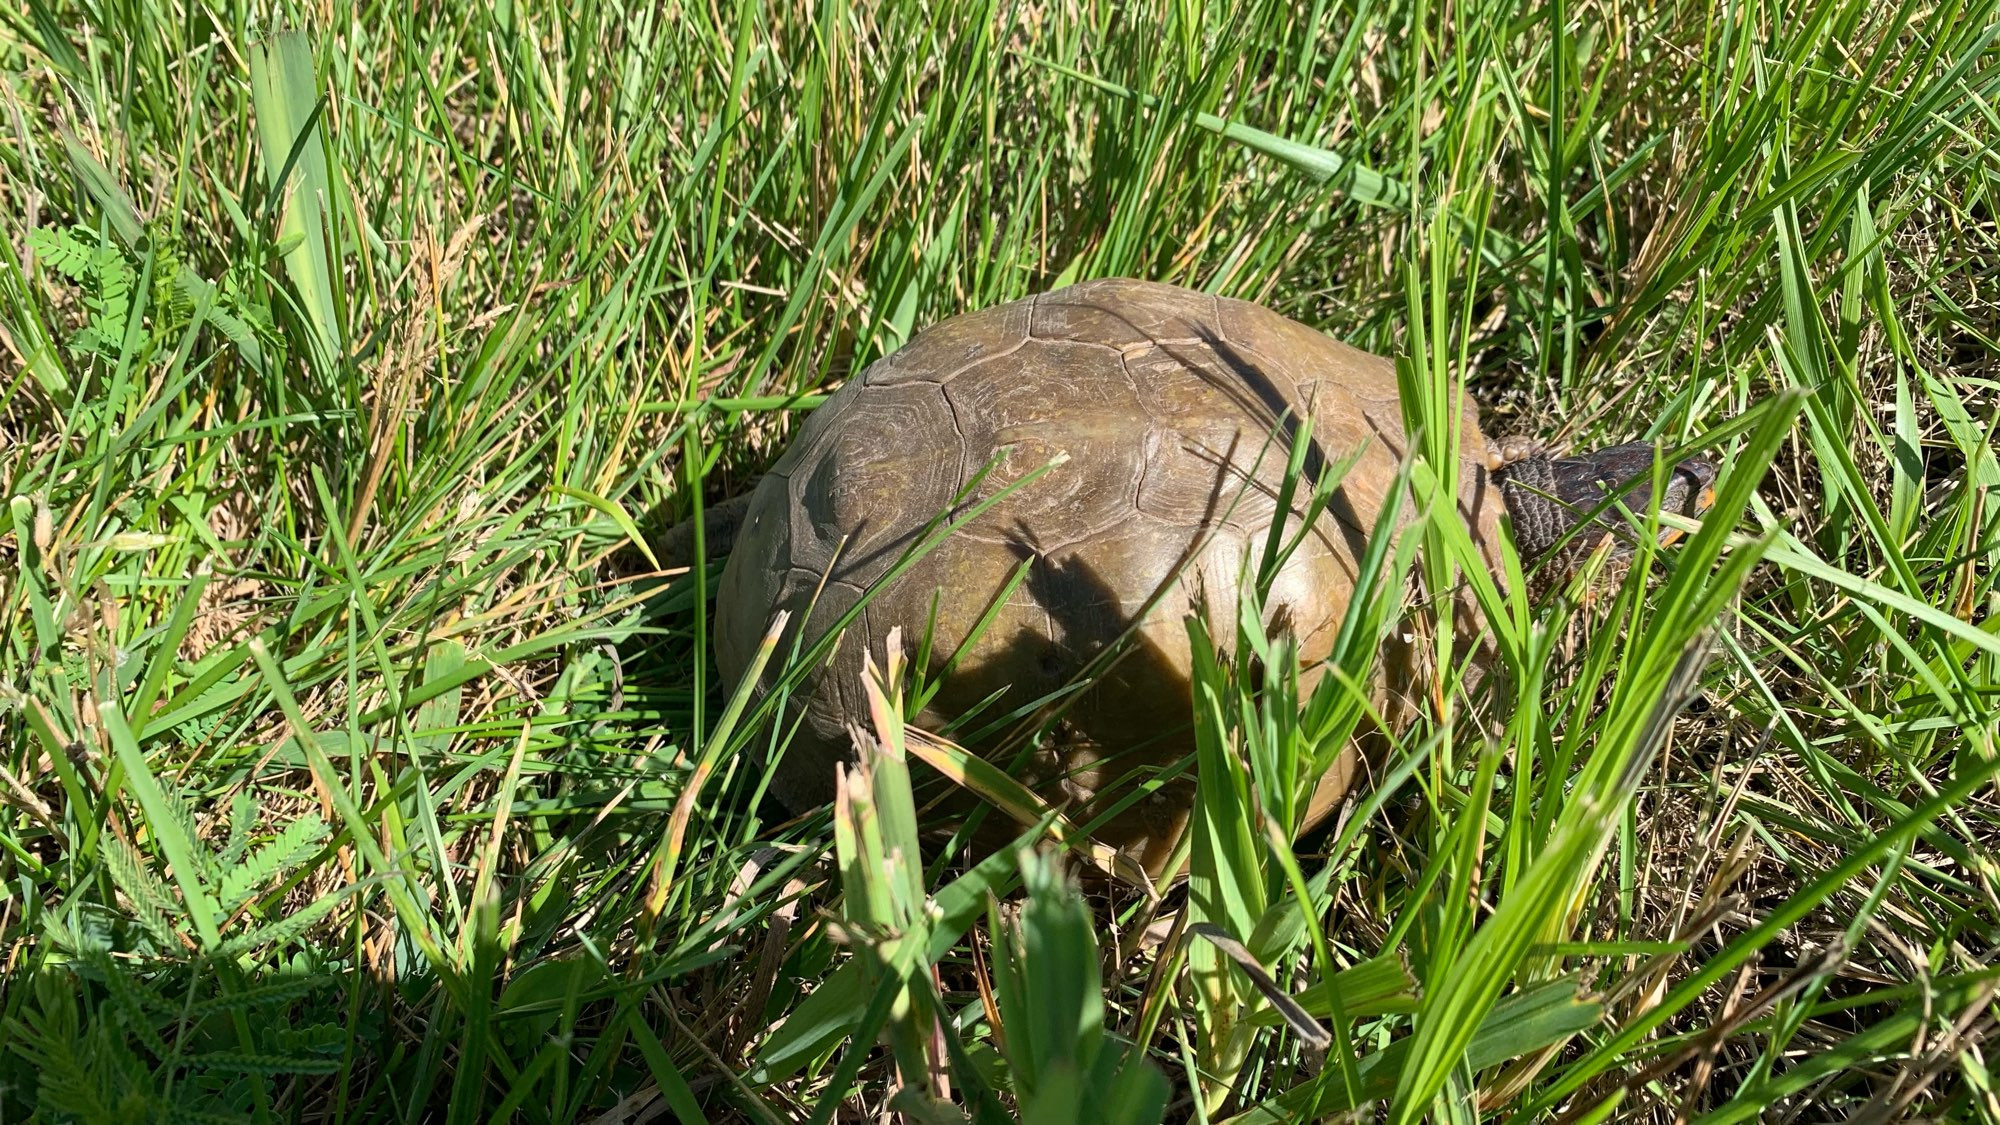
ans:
(358, 762)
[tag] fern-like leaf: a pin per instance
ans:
(195, 732)
(139, 1009)
(181, 808)
(83, 1073)
(245, 1062)
(322, 1038)
(179, 1114)
(299, 841)
(282, 991)
(63, 251)
(155, 908)
(288, 928)
(240, 333)
(242, 823)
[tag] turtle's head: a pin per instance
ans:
(1547, 496)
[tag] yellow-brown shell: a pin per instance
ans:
(1168, 404)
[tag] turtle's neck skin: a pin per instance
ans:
(1547, 496)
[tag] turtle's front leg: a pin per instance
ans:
(720, 523)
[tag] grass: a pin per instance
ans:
(357, 761)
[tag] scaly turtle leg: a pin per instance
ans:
(720, 523)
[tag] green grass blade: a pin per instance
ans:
(284, 86)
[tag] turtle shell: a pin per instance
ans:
(1176, 410)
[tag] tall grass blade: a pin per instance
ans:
(285, 90)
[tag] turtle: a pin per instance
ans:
(1123, 442)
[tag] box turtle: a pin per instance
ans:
(1174, 408)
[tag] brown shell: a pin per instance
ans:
(1168, 403)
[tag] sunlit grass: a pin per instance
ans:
(358, 760)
